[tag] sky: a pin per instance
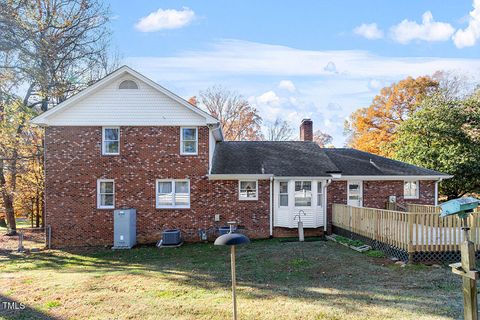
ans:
(297, 59)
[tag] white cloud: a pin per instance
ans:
(165, 19)
(287, 85)
(469, 36)
(269, 97)
(253, 69)
(369, 31)
(243, 58)
(331, 67)
(429, 30)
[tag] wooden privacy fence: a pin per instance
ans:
(419, 230)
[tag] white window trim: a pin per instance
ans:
(360, 190)
(104, 152)
(173, 181)
(280, 193)
(417, 191)
(127, 90)
(320, 191)
(181, 142)
(99, 206)
(311, 196)
(247, 199)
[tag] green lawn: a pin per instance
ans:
(277, 280)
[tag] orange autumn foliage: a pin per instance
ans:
(373, 129)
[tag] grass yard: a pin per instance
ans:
(277, 280)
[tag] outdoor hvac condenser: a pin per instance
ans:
(124, 228)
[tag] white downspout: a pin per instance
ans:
(271, 206)
(436, 190)
(329, 181)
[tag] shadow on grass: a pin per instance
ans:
(12, 309)
(312, 272)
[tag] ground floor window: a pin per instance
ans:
(173, 194)
(411, 190)
(319, 194)
(283, 194)
(248, 190)
(105, 194)
(303, 193)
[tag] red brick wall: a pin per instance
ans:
(74, 163)
(375, 194)
(336, 193)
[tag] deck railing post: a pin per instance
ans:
(410, 217)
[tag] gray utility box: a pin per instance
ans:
(124, 228)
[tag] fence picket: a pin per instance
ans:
(413, 231)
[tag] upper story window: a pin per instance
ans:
(105, 194)
(110, 140)
(248, 190)
(173, 194)
(128, 84)
(283, 194)
(411, 189)
(303, 193)
(188, 140)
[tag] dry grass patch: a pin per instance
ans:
(312, 280)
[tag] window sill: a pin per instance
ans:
(105, 208)
(173, 207)
(411, 198)
(189, 154)
(247, 199)
(110, 154)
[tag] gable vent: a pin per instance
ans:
(128, 84)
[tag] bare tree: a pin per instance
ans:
(49, 50)
(279, 130)
(322, 139)
(239, 120)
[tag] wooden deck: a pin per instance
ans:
(418, 230)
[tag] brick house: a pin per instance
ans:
(127, 142)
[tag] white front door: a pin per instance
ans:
(354, 193)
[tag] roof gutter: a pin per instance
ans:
(379, 177)
(216, 131)
(239, 176)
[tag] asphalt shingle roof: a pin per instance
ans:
(280, 158)
(303, 159)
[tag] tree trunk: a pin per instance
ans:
(7, 203)
(37, 209)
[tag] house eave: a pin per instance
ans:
(391, 178)
(239, 176)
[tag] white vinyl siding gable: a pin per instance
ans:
(111, 106)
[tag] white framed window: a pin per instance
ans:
(411, 189)
(172, 194)
(248, 190)
(319, 194)
(110, 140)
(283, 194)
(303, 193)
(105, 194)
(188, 140)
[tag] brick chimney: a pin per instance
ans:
(306, 130)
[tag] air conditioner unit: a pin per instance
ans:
(392, 199)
